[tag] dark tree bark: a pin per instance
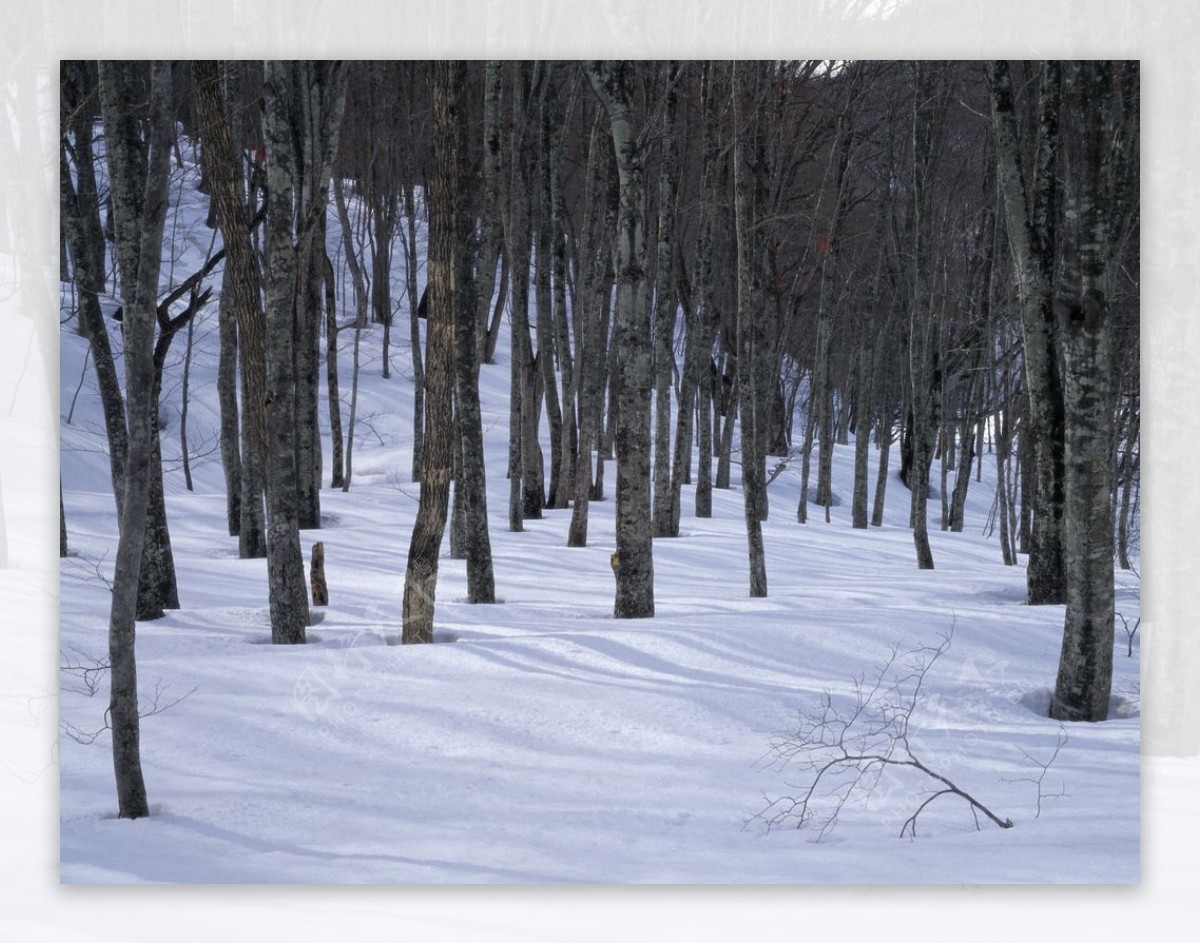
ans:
(317, 100)
(420, 578)
(633, 376)
(592, 294)
(138, 174)
(81, 226)
(471, 480)
(241, 285)
(288, 595)
(665, 307)
(1029, 211)
(1100, 202)
(749, 313)
(337, 475)
(929, 96)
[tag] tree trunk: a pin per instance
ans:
(665, 307)
(287, 592)
(592, 294)
(138, 174)
(231, 460)
(470, 489)
(1032, 241)
(414, 323)
(1100, 194)
(337, 441)
(634, 562)
(420, 579)
(242, 281)
(928, 107)
(744, 96)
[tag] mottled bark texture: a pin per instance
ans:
(633, 374)
(138, 174)
(1100, 187)
(288, 595)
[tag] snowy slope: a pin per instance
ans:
(540, 740)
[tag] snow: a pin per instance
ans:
(539, 740)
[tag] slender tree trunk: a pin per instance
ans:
(231, 460)
(414, 318)
(491, 228)
(138, 174)
(592, 294)
(420, 578)
(929, 93)
(90, 283)
(470, 489)
(543, 291)
(749, 316)
(883, 438)
(337, 441)
(242, 282)
(665, 307)
(634, 561)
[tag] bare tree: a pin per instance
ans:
(138, 171)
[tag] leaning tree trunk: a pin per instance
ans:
(634, 561)
(81, 234)
(138, 173)
(420, 578)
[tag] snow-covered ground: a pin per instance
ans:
(540, 740)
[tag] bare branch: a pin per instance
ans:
(846, 750)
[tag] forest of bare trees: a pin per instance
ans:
(698, 263)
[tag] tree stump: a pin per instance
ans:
(320, 590)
